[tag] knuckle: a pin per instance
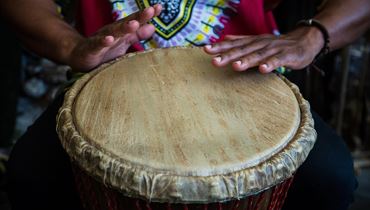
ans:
(245, 59)
(216, 45)
(262, 36)
(242, 41)
(254, 58)
(236, 42)
(276, 61)
(222, 45)
(244, 48)
(236, 51)
(233, 53)
(275, 44)
(260, 54)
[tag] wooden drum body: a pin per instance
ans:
(164, 129)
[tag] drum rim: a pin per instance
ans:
(99, 164)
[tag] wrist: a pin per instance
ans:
(67, 45)
(314, 38)
(319, 32)
(309, 38)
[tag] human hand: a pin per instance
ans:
(294, 50)
(112, 40)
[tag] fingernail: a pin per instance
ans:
(239, 63)
(265, 66)
(217, 59)
(109, 38)
(208, 46)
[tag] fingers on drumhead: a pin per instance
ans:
(271, 63)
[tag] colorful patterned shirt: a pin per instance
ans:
(182, 22)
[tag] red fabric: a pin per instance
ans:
(92, 15)
(251, 19)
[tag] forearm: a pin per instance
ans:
(40, 28)
(345, 20)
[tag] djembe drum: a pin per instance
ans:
(164, 129)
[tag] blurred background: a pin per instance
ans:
(29, 83)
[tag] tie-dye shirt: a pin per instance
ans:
(182, 22)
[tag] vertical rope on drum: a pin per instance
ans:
(272, 203)
(250, 203)
(236, 205)
(272, 199)
(111, 199)
(88, 182)
(137, 204)
(285, 192)
(259, 199)
(148, 207)
(279, 195)
(205, 207)
(255, 201)
(278, 190)
(85, 185)
(78, 180)
(116, 198)
(107, 199)
(219, 206)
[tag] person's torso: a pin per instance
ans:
(198, 22)
(183, 22)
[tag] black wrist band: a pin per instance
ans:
(312, 22)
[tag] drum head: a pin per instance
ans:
(159, 117)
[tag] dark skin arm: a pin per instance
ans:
(42, 30)
(345, 21)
